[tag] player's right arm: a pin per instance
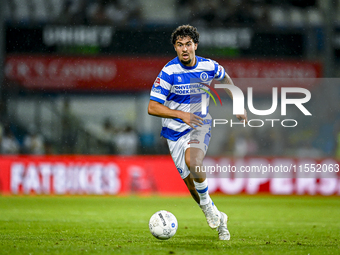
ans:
(159, 93)
(160, 110)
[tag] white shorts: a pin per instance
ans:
(196, 138)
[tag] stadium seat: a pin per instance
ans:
(40, 11)
(56, 7)
(314, 17)
(7, 10)
(296, 17)
(278, 16)
(22, 11)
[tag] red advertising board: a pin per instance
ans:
(88, 175)
(118, 74)
(113, 175)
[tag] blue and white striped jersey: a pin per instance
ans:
(180, 87)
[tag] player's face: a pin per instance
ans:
(185, 48)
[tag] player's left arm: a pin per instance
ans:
(228, 80)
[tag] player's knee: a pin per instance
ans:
(193, 161)
(197, 162)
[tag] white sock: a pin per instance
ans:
(203, 193)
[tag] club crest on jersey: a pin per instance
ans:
(204, 76)
(157, 82)
(194, 141)
(179, 78)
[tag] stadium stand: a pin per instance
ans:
(128, 12)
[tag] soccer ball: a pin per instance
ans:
(163, 225)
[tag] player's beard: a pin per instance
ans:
(186, 62)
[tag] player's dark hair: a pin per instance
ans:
(183, 31)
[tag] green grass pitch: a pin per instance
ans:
(119, 225)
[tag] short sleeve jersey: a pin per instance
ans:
(180, 87)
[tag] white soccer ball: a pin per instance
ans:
(163, 225)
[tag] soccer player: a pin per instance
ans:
(176, 97)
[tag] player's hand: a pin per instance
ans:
(192, 119)
(243, 117)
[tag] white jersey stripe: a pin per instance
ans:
(180, 88)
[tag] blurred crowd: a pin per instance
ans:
(14, 141)
(133, 12)
(324, 140)
(19, 141)
(100, 12)
(72, 12)
(120, 140)
(125, 140)
(247, 12)
(304, 143)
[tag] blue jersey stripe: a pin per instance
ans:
(164, 91)
(201, 59)
(157, 99)
(181, 88)
(160, 90)
(172, 62)
(207, 138)
(172, 134)
(165, 77)
(179, 120)
(216, 68)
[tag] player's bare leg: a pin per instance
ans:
(194, 161)
(191, 187)
(196, 183)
